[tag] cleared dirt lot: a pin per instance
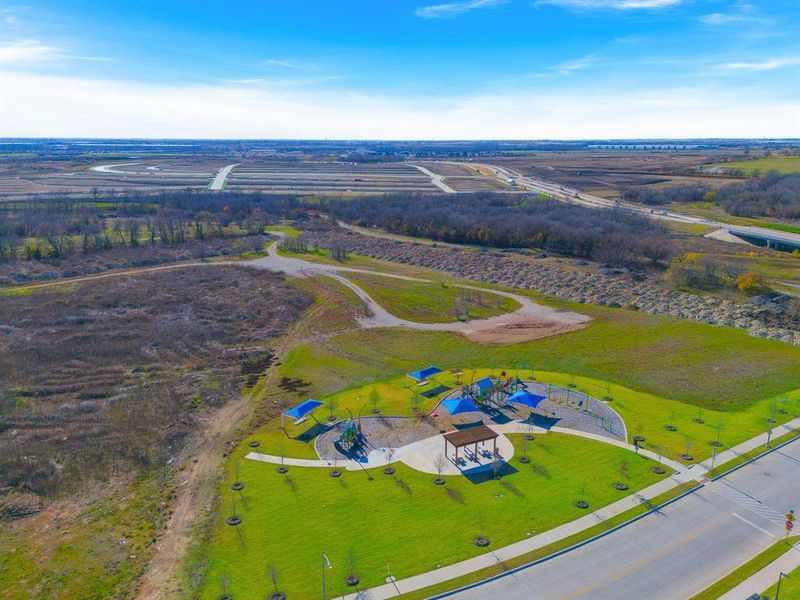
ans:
(604, 172)
(279, 175)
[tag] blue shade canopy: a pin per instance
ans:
(301, 410)
(460, 405)
(423, 374)
(526, 398)
(484, 384)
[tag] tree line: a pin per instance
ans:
(618, 237)
(60, 226)
(773, 195)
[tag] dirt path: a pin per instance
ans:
(197, 487)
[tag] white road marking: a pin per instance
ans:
(768, 513)
(753, 525)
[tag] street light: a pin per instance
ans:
(778, 589)
(325, 563)
(772, 417)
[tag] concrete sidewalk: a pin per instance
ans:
(494, 557)
(766, 577)
(683, 474)
(754, 442)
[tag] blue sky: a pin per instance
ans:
(464, 69)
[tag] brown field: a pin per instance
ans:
(20, 179)
(109, 376)
(604, 172)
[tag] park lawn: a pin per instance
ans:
(432, 302)
(335, 306)
(644, 414)
(287, 521)
(694, 363)
(647, 415)
(751, 567)
(397, 396)
(781, 164)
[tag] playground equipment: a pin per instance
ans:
(351, 437)
(491, 391)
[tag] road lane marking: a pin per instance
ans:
(696, 533)
(753, 525)
(744, 500)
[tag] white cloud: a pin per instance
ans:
(722, 18)
(287, 63)
(103, 108)
(742, 13)
(613, 4)
(764, 65)
(27, 51)
(30, 51)
(577, 64)
(453, 9)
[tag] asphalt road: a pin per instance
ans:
(676, 553)
(218, 182)
(574, 196)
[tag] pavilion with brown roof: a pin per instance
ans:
(468, 437)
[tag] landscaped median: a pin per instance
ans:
(720, 470)
(369, 523)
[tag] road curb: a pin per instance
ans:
(755, 458)
(569, 548)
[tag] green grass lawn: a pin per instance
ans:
(438, 302)
(644, 414)
(744, 457)
(289, 521)
(749, 568)
(396, 396)
(713, 367)
(288, 230)
(782, 164)
(790, 588)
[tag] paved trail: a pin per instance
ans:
(529, 321)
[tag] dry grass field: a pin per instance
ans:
(604, 172)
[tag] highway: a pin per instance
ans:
(574, 196)
(674, 554)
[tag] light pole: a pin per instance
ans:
(772, 417)
(778, 589)
(771, 422)
(325, 563)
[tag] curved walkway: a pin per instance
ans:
(529, 321)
